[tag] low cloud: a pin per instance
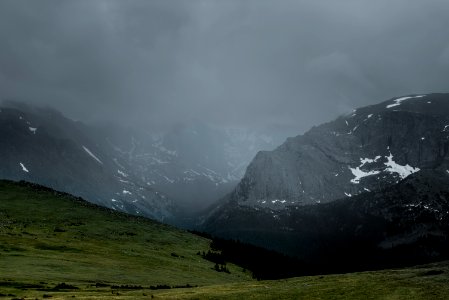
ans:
(232, 63)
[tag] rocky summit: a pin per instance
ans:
(367, 150)
(362, 186)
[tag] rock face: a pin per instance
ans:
(371, 148)
(44, 147)
(375, 182)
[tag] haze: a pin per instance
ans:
(228, 63)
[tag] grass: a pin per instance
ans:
(425, 282)
(53, 246)
(48, 238)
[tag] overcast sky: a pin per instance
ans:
(233, 63)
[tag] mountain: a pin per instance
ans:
(169, 176)
(193, 163)
(348, 182)
(42, 146)
(373, 147)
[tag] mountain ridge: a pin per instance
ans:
(168, 177)
(42, 146)
(309, 168)
(319, 190)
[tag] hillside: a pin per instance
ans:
(429, 282)
(48, 238)
(405, 224)
(41, 145)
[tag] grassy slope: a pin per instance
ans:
(425, 282)
(52, 238)
(92, 245)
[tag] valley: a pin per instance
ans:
(213, 149)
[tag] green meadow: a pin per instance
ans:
(55, 246)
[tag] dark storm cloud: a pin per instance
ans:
(294, 63)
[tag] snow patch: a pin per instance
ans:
(348, 195)
(122, 173)
(421, 205)
(402, 171)
(210, 177)
(32, 129)
(359, 174)
(126, 192)
(364, 161)
(398, 101)
(367, 117)
(24, 168)
(277, 200)
(168, 179)
(92, 155)
(195, 172)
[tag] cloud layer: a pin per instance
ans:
(234, 63)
